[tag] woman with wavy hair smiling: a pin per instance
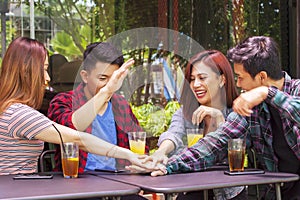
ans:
(207, 97)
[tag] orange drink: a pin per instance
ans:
(70, 167)
(70, 159)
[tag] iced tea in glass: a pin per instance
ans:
(236, 154)
(70, 159)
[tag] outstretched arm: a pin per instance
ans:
(90, 143)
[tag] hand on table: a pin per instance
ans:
(158, 173)
(139, 161)
(158, 169)
(147, 165)
(157, 157)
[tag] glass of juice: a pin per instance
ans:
(137, 142)
(70, 159)
(193, 135)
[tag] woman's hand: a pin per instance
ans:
(157, 157)
(158, 170)
(146, 164)
(142, 164)
(212, 118)
(139, 160)
(161, 154)
(205, 112)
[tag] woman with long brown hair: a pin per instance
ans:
(23, 129)
(207, 97)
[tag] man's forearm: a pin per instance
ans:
(85, 115)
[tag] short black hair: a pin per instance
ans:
(101, 52)
(256, 54)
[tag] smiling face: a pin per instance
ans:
(97, 78)
(206, 84)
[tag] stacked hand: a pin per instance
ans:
(155, 170)
(154, 164)
(158, 157)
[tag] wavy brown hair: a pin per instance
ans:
(22, 73)
(219, 64)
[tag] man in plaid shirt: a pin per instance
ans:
(266, 114)
(79, 109)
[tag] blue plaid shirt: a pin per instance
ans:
(256, 128)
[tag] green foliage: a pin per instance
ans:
(64, 44)
(10, 34)
(154, 119)
(256, 13)
(79, 22)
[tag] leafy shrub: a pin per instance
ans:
(154, 119)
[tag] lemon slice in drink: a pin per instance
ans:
(73, 159)
(193, 139)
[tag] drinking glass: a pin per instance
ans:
(70, 159)
(137, 142)
(193, 135)
(236, 154)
